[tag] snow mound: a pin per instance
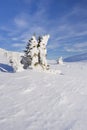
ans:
(10, 61)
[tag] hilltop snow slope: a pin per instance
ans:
(6, 57)
(31, 100)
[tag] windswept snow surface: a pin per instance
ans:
(32, 100)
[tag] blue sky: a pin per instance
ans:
(64, 20)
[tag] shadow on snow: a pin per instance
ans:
(6, 68)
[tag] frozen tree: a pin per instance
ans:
(36, 52)
(39, 42)
(42, 42)
(26, 59)
(14, 64)
(31, 54)
(60, 60)
(14, 61)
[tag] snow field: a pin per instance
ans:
(32, 100)
(43, 100)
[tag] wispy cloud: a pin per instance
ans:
(53, 46)
(14, 38)
(81, 45)
(67, 49)
(77, 47)
(18, 45)
(21, 21)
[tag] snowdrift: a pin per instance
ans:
(6, 57)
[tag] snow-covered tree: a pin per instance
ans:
(42, 42)
(39, 42)
(36, 52)
(14, 60)
(28, 57)
(31, 53)
(60, 60)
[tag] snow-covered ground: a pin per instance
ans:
(32, 100)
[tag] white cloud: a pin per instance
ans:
(53, 46)
(71, 34)
(81, 45)
(76, 50)
(5, 28)
(25, 36)
(20, 22)
(76, 47)
(15, 38)
(65, 28)
(18, 45)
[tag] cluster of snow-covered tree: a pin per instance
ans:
(35, 53)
